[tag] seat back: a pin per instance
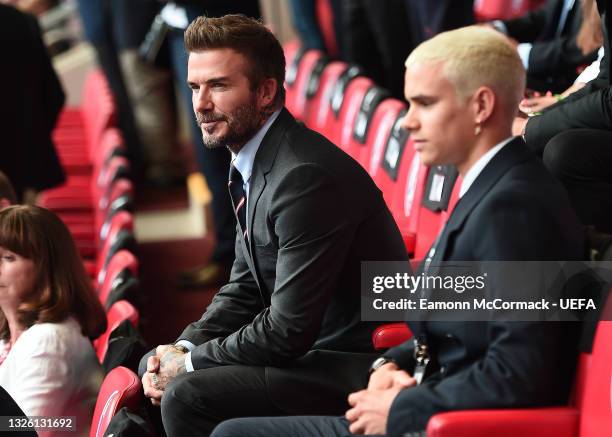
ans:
(430, 223)
(318, 107)
(308, 89)
(110, 242)
(357, 139)
(120, 311)
(98, 110)
(297, 77)
(122, 260)
(596, 403)
(121, 388)
(330, 124)
(389, 152)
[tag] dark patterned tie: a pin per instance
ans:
(236, 189)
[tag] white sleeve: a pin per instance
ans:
(43, 374)
(591, 71)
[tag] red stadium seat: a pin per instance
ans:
(357, 139)
(393, 334)
(430, 223)
(589, 415)
(318, 106)
(329, 122)
(121, 388)
(120, 311)
(353, 99)
(486, 10)
(311, 61)
(121, 269)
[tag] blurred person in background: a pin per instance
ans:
(7, 192)
(49, 314)
(589, 38)
(573, 136)
(32, 98)
(546, 40)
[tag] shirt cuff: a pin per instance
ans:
(188, 363)
(523, 51)
(500, 26)
(186, 344)
(189, 345)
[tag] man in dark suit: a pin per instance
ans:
(284, 336)
(463, 87)
(574, 136)
(32, 98)
(547, 44)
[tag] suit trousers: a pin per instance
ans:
(194, 403)
(582, 160)
(297, 426)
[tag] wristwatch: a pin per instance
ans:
(379, 362)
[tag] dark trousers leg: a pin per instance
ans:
(582, 160)
(213, 163)
(194, 403)
(297, 426)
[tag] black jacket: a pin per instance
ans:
(497, 364)
(590, 107)
(553, 60)
(293, 298)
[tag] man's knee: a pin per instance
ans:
(562, 153)
(178, 395)
(231, 428)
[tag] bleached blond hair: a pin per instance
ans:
(476, 56)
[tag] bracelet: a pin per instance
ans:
(558, 97)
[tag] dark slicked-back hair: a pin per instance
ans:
(251, 39)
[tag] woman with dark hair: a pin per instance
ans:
(48, 315)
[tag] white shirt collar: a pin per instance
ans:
(243, 160)
(476, 169)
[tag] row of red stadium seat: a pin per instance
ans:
(96, 203)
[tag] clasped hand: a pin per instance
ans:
(370, 407)
(163, 367)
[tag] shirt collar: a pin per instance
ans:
(243, 160)
(476, 169)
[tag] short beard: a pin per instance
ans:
(242, 125)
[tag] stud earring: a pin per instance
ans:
(477, 130)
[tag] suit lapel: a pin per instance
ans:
(264, 159)
(509, 156)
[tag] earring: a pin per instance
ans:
(477, 130)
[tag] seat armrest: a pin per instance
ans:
(533, 422)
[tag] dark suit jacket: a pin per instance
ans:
(590, 107)
(515, 210)
(293, 299)
(553, 60)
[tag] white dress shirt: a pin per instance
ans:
(52, 370)
(478, 167)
